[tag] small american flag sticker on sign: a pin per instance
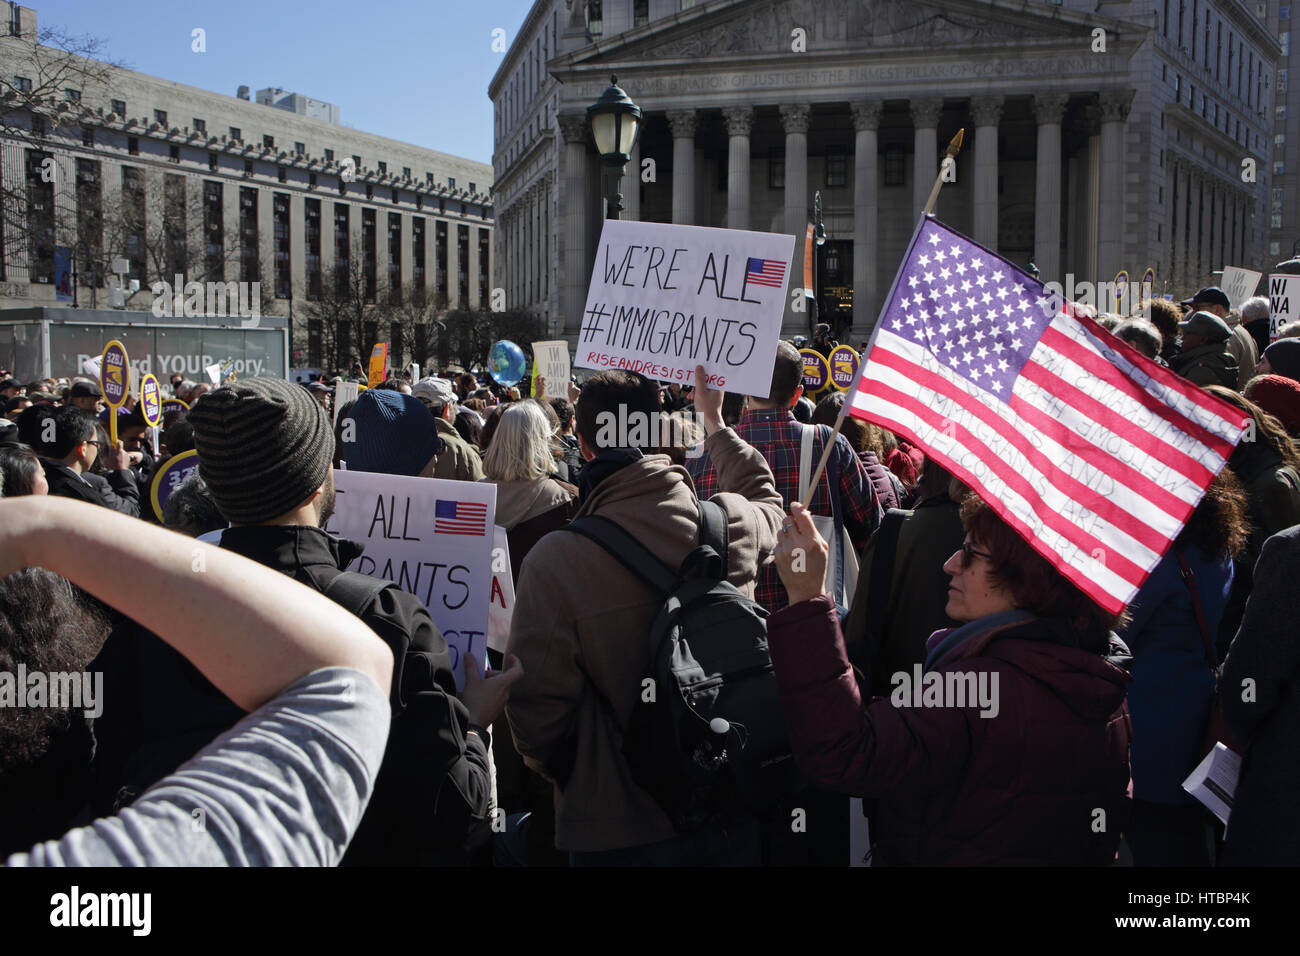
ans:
(459, 517)
(766, 272)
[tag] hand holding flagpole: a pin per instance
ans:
(954, 147)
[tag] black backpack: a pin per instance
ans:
(712, 743)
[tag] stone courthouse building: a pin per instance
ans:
(1136, 135)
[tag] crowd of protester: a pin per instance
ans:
(311, 715)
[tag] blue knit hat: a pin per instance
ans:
(392, 434)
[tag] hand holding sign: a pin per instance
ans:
(708, 402)
(485, 697)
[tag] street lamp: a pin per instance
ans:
(615, 124)
(819, 237)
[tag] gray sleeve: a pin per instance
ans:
(285, 786)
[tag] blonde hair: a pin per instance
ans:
(521, 446)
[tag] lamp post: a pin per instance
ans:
(819, 237)
(615, 124)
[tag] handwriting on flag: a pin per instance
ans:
(1092, 452)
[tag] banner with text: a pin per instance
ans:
(551, 362)
(432, 538)
(1239, 284)
(665, 298)
(1283, 302)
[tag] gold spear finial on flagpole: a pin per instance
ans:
(954, 147)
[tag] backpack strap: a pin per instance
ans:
(626, 550)
(1189, 579)
(355, 592)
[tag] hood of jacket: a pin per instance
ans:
(291, 548)
(1092, 685)
(517, 501)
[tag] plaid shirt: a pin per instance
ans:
(776, 434)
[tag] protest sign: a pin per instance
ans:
(1149, 278)
(114, 381)
(665, 298)
(551, 362)
(502, 606)
(816, 373)
(1283, 302)
(430, 537)
(170, 405)
(344, 392)
(213, 373)
(1239, 284)
(378, 365)
(151, 400)
(844, 366)
(170, 476)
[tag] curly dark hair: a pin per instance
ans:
(48, 626)
(1220, 525)
(1034, 583)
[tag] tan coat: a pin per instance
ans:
(581, 619)
(458, 460)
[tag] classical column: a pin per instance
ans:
(866, 209)
(471, 250)
(573, 257)
(632, 183)
(985, 112)
(1202, 221)
(1049, 109)
(1114, 105)
(795, 118)
(683, 123)
(739, 121)
(925, 159)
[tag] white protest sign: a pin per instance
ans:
(551, 362)
(214, 374)
(344, 392)
(502, 606)
(665, 298)
(432, 538)
(1239, 284)
(1283, 302)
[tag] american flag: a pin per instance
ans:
(766, 272)
(1093, 453)
(459, 517)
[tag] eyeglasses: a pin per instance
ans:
(969, 554)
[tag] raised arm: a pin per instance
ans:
(250, 630)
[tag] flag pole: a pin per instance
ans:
(954, 147)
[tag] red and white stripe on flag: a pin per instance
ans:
(1095, 454)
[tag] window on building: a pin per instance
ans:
(250, 269)
(440, 263)
(236, 133)
(23, 84)
(394, 195)
(174, 153)
(368, 252)
(895, 166)
(1279, 139)
(356, 162)
(283, 173)
(280, 226)
(394, 258)
(1274, 248)
(1284, 41)
(451, 181)
(248, 169)
(160, 117)
(370, 191)
(300, 149)
(311, 180)
(473, 188)
(1275, 220)
(417, 264)
(1282, 80)
(133, 146)
(40, 218)
(200, 126)
(329, 155)
(383, 168)
(133, 220)
(428, 178)
(1284, 12)
(213, 161)
(462, 264)
(174, 224)
(268, 141)
(38, 125)
(90, 222)
(342, 248)
(640, 12)
(87, 137)
(1279, 168)
(776, 169)
(406, 172)
(75, 95)
(119, 107)
(836, 167)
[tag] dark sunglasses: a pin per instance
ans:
(969, 554)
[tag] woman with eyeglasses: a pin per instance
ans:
(1009, 745)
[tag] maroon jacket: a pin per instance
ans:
(886, 493)
(954, 787)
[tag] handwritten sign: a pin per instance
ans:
(844, 366)
(816, 373)
(430, 537)
(1239, 284)
(344, 392)
(501, 607)
(551, 362)
(665, 298)
(1283, 302)
(174, 472)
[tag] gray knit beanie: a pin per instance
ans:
(264, 446)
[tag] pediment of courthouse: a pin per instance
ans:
(745, 51)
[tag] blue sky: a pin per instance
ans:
(410, 70)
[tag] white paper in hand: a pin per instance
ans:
(1214, 781)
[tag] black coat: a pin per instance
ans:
(117, 491)
(1262, 829)
(178, 712)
